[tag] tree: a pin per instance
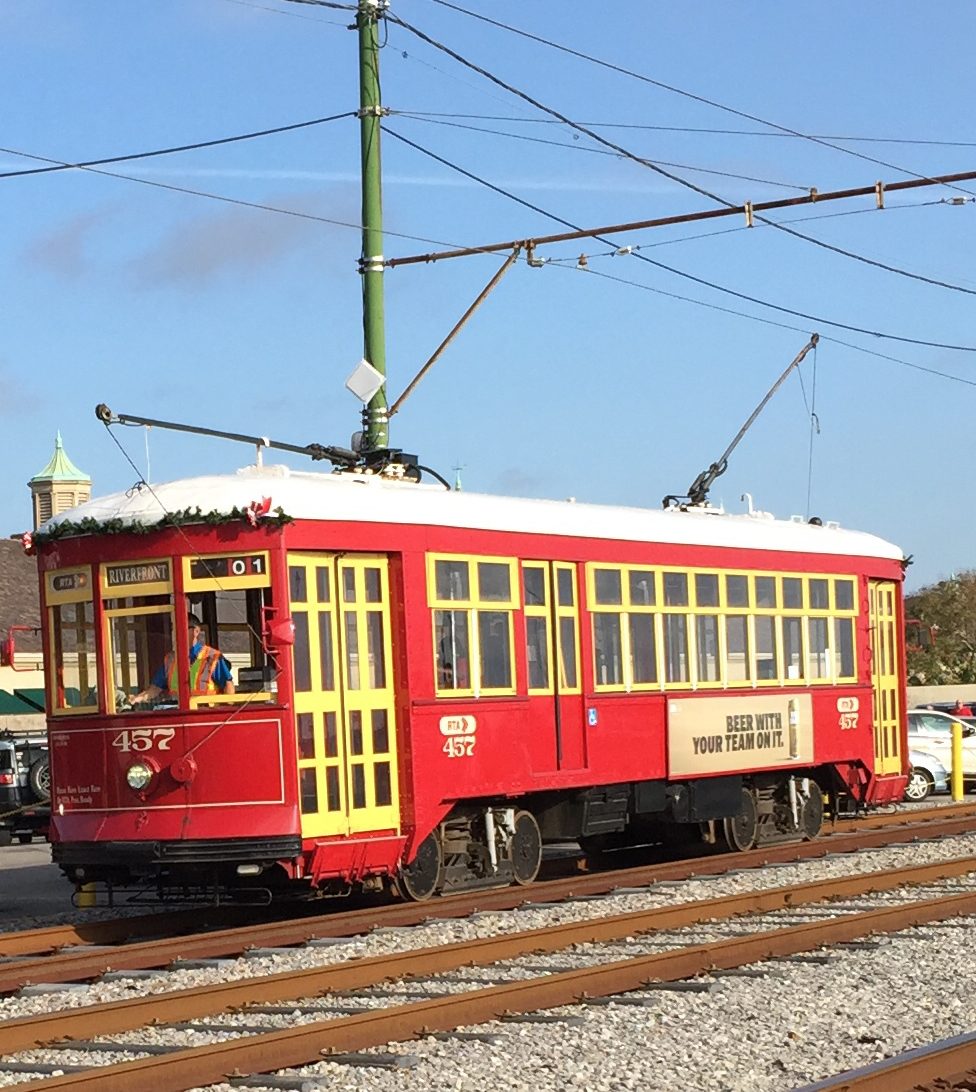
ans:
(948, 611)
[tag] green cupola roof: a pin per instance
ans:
(60, 468)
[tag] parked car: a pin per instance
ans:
(927, 775)
(25, 789)
(930, 730)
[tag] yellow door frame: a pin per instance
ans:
(345, 711)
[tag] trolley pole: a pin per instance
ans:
(376, 431)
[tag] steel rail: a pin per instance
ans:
(307, 1044)
(945, 1065)
(110, 1018)
(81, 966)
(116, 930)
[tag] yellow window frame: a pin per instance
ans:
(623, 610)
(472, 606)
(752, 612)
(77, 588)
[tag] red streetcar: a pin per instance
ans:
(430, 685)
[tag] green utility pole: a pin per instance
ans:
(375, 418)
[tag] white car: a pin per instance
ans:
(931, 731)
(927, 775)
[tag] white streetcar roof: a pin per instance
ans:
(363, 498)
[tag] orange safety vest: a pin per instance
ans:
(201, 671)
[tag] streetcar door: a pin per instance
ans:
(884, 677)
(551, 597)
(344, 702)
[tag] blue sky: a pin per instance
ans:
(596, 384)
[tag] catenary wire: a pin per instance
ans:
(770, 322)
(291, 14)
(690, 276)
(686, 183)
(743, 227)
(594, 151)
(171, 150)
(693, 129)
(676, 90)
(227, 200)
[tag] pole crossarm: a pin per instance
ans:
(482, 296)
(876, 190)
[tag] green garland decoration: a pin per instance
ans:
(69, 528)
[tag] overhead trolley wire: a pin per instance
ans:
(670, 174)
(433, 114)
(58, 166)
(227, 200)
(784, 129)
(772, 322)
(681, 273)
(593, 151)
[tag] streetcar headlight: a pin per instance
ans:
(138, 776)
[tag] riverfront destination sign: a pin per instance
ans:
(723, 734)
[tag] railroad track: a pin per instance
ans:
(81, 953)
(352, 1006)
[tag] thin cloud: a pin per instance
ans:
(64, 251)
(452, 181)
(237, 241)
(15, 399)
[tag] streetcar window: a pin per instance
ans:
(818, 665)
(451, 637)
(706, 589)
(568, 675)
(75, 672)
(534, 579)
(642, 588)
(737, 590)
(142, 660)
(301, 653)
(565, 588)
(819, 598)
(766, 591)
(537, 652)
(643, 649)
(606, 586)
(706, 641)
(494, 582)
(793, 647)
(676, 589)
(737, 667)
(308, 783)
(607, 649)
(844, 648)
(452, 579)
(676, 646)
(306, 735)
(844, 594)
(765, 647)
(473, 650)
(792, 593)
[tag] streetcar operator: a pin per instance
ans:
(210, 673)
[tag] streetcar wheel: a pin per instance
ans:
(25, 839)
(421, 878)
(919, 786)
(526, 848)
(811, 817)
(742, 830)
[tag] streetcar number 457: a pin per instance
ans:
(144, 739)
